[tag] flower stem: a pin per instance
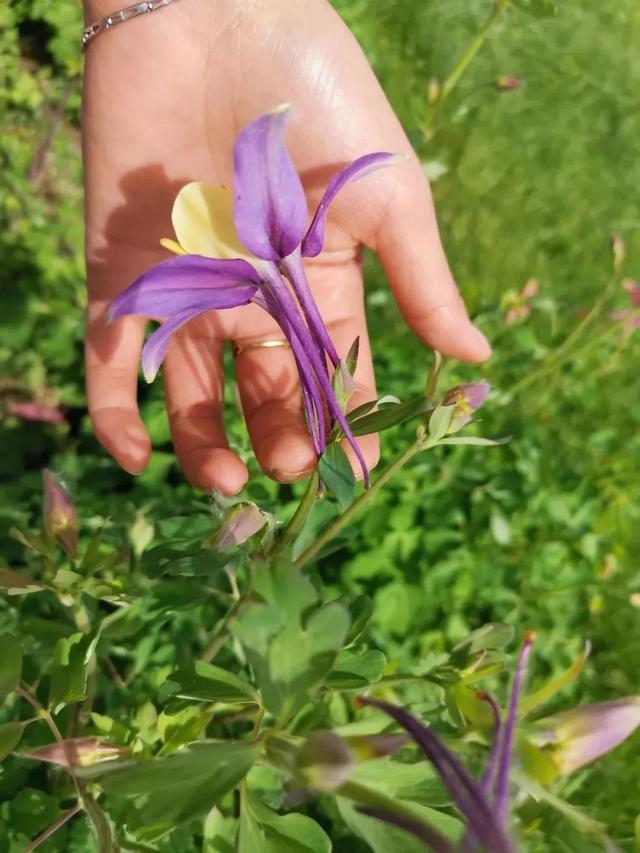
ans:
(222, 633)
(344, 519)
(452, 79)
(50, 830)
(301, 514)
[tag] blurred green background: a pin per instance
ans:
(530, 183)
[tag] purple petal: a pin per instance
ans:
(314, 238)
(294, 271)
(185, 282)
(465, 791)
(508, 730)
(270, 210)
(155, 349)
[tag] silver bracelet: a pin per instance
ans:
(104, 24)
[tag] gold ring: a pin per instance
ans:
(238, 349)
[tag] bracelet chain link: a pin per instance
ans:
(104, 24)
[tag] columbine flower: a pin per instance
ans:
(60, 518)
(466, 399)
(574, 738)
(630, 316)
(482, 803)
(235, 247)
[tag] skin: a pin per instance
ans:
(165, 97)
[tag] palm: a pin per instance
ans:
(152, 139)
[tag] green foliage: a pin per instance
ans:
(543, 533)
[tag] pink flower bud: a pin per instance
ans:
(466, 399)
(77, 752)
(242, 522)
(582, 734)
(508, 84)
(30, 411)
(60, 518)
(633, 289)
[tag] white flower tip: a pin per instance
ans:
(280, 109)
(149, 375)
(400, 158)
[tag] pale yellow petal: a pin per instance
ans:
(203, 221)
(172, 246)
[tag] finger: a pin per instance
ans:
(272, 406)
(112, 355)
(409, 246)
(343, 334)
(194, 391)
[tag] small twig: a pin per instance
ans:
(222, 633)
(71, 813)
(344, 519)
(301, 514)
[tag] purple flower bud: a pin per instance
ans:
(582, 734)
(466, 399)
(60, 518)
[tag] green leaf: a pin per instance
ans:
(361, 609)
(356, 668)
(537, 8)
(337, 474)
(265, 831)
(291, 646)
(389, 417)
(10, 735)
(179, 787)
(204, 682)
(10, 664)
(555, 685)
(15, 584)
(383, 783)
(70, 670)
(440, 421)
(220, 833)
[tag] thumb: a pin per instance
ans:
(409, 247)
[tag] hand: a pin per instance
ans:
(165, 96)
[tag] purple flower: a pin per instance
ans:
(60, 517)
(236, 247)
(574, 738)
(482, 803)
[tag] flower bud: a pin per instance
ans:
(324, 761)
(60, 518)
(574, 738)
(618, 250)
(241, 523)
(508, 84)
(633, 289)
(32, 411)
(466, 399)
(78, 752)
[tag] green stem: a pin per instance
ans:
(51, 830)
(301, 514)
(558, 358)
(452, 79)
(222, 633)
(344, 519)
